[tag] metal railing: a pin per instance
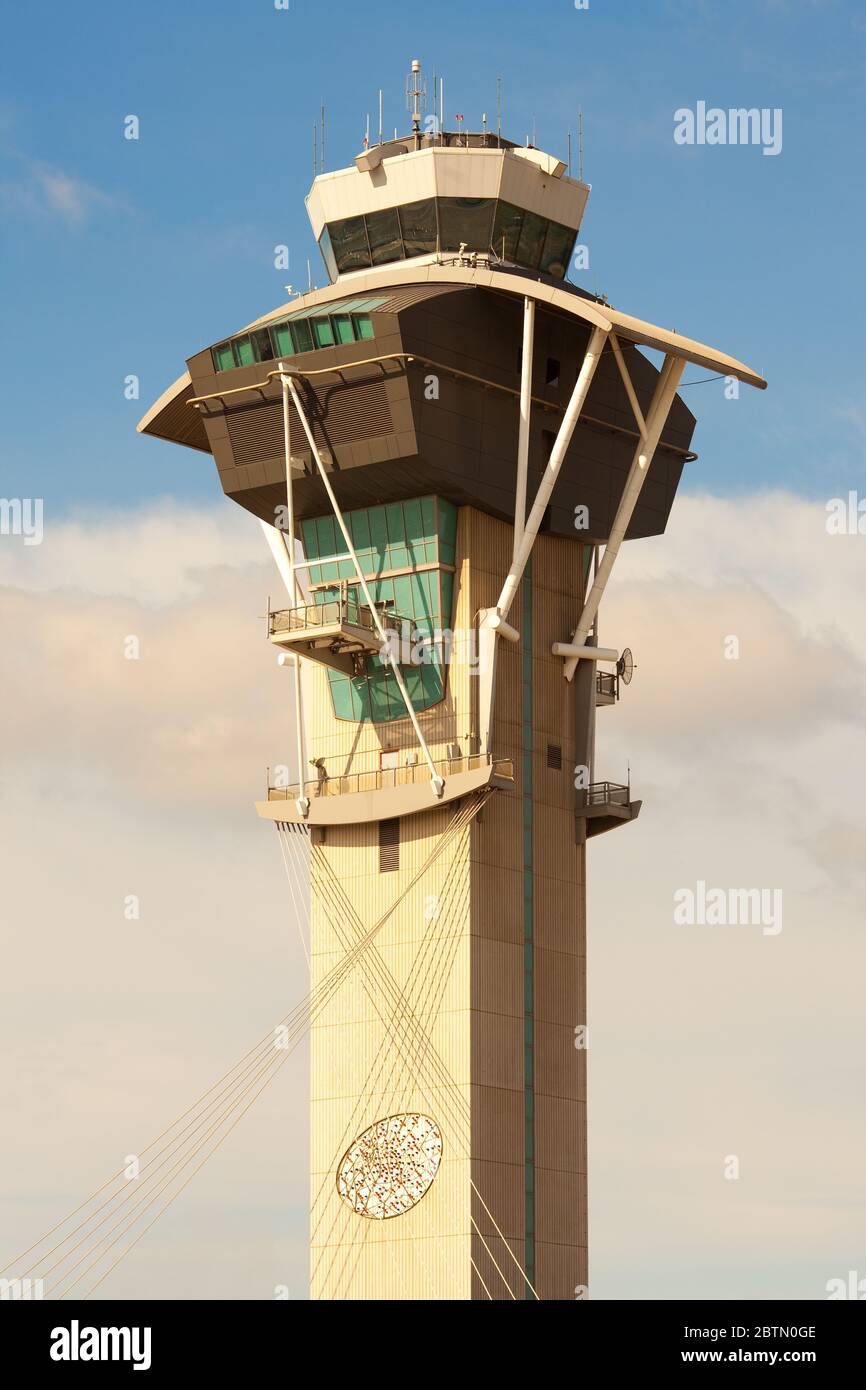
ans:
(328, 614)
(606, 686)
(408, 775)
(607, 794)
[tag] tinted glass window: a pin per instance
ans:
(383, 234)
(506, 230)
(349, 244)
(261, 341)
(282, 340)
(343, 327)
(323, 332)
(302, 335)
(223, 357)
(418, 224)
(328, 255)
(243, 352)
(557, 250)
(363, 326)
(465, 219)
(532, 236)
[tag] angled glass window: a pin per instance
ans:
(282, 340)
(349, 244)
(506, 230)
(465, 219)
(223, 357)
(323, 333)
(531, 242)
(343, 330)
(383, 234)
(328, 255)
(261, 341)
(557, 250)
(303, 335)
(418, 225)
(363, 326)
(243, 351)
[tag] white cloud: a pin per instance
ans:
(137, 777)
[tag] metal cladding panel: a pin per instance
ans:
(396, 429)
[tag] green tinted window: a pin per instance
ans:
(283, 340)
(303, 335)
(243, 352)
(323, 333)
(343, 327)
(363, 326)
(223, 357)
(261, 341)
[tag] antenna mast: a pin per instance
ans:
(580, 145)
(415, 91)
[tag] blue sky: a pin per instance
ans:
(125, 257)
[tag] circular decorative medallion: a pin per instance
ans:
(389, 1167)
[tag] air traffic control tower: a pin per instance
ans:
(446, 448)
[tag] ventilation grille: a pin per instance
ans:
(554, 757)
(389, 846)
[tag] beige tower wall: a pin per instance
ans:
(462, 958)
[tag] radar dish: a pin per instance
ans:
(625, 666)
(389, 1167)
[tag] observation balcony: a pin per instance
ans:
(384, 793)
(339, 633)
(604, 806)
(606, 688)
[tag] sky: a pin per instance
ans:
(124, 257)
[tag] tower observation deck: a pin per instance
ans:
(446, 446)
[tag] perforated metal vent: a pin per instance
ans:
(389, 846)
(554, 757)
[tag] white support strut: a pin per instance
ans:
(525, 409)
(551, 473)
(386, 653)
(662, 400)
(303, 801)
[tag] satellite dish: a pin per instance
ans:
(625, 666)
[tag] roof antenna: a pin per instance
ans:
(323, 137)
(415, 90)
(499, 110)
(315, 149)
(309, 276)
(569, 154)
(580, 145)
(380, 115)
